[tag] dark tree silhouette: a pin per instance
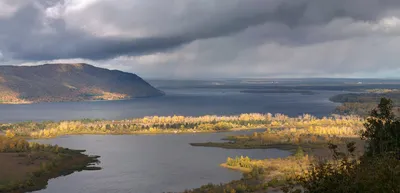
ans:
(382, 130)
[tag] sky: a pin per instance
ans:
(207, 38)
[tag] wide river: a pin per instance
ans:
(187, 102)
(161, 163)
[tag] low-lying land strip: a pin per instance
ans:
(28, 166)
(289, 133)
(181, 124)
(279, 91)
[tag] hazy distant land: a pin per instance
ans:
(279, 91)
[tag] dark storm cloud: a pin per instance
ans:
(102, 48)
(21, 36)
(220, 38)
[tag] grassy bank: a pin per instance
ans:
(28, 166)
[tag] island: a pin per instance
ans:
(69, 82)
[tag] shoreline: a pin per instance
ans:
(148, 133)
(35, 175)
(235, 168)
(181, 125)
(77, 101)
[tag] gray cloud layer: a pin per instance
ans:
(191, 37)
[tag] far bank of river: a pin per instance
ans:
(182, 102)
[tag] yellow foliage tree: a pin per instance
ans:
(10, 134)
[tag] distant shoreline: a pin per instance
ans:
(279, 91)
(64, 101)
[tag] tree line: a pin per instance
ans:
(177, 124)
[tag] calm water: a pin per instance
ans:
(150, 163)
(177, 101)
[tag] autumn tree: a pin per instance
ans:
(10, 134)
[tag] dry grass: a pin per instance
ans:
(277, 168)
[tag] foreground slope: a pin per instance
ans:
(69, 82)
